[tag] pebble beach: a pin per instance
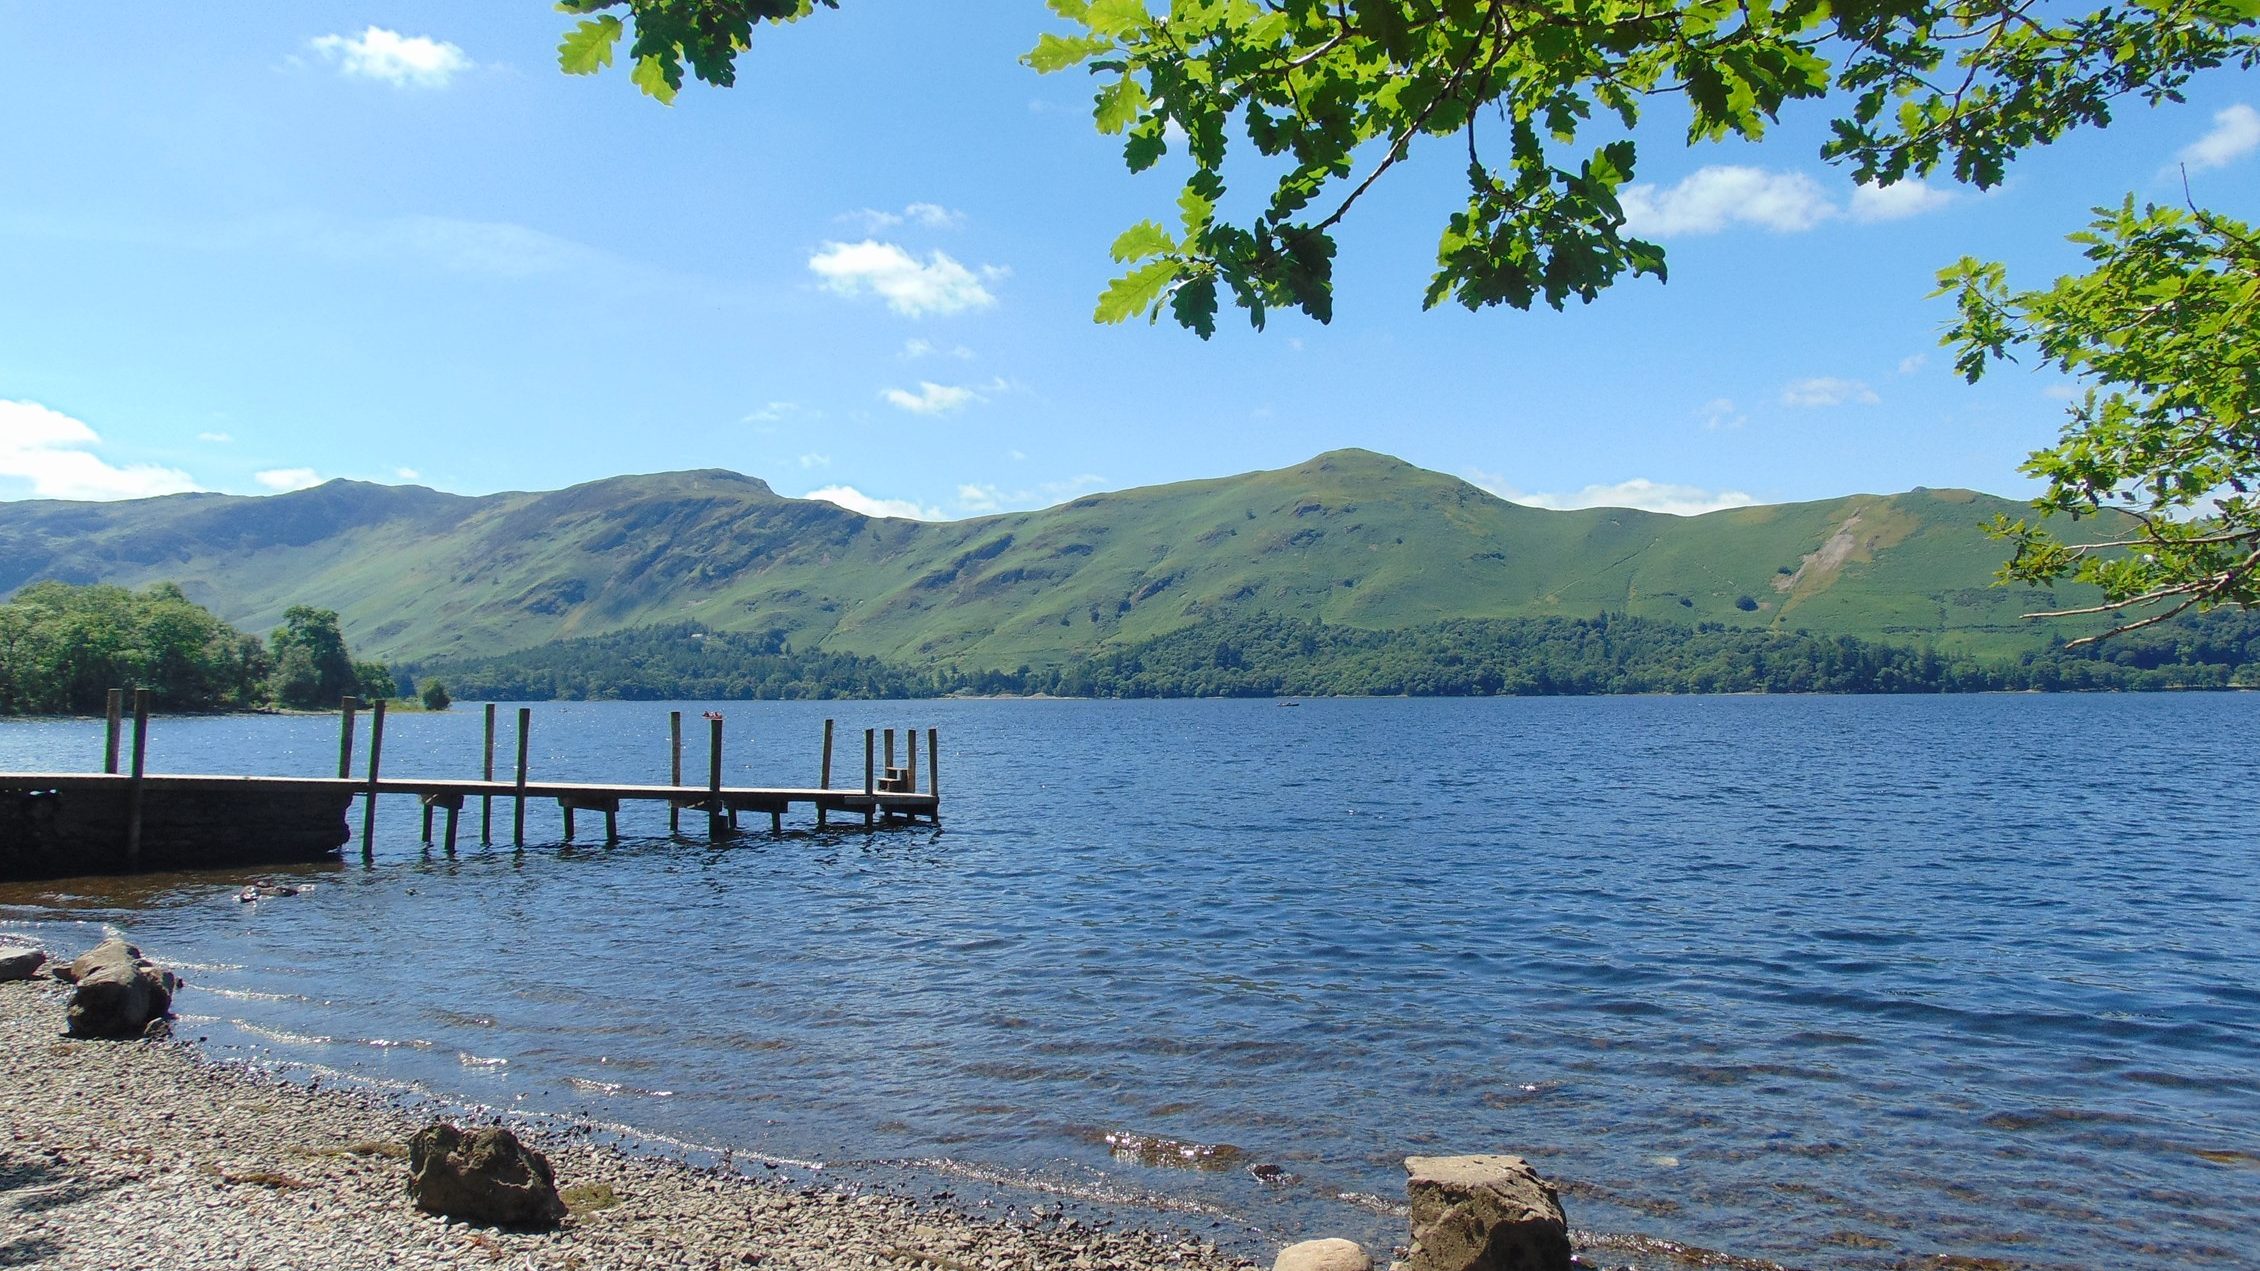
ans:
(145, 1154)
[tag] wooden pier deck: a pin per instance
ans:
(54, 823)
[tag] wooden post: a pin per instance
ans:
(675, 770)
(713, 778)
(427, 824)
(369, 801)
(346, 706)
(567, 805)
(518, 821)
(890, 749)
(824, 779)
(934, 770)
(870, 778)
(486, 801)
(612, 821)
(117, 714)
(454, 810)
(776, 822)
(133, 789)
(910, 757)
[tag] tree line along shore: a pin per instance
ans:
(62, 647)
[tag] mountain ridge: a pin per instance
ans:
(1349, 536)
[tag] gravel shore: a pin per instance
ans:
(143, 1154)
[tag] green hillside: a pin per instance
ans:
(1350, 538)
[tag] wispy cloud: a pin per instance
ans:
(911, 287)
(1719, 414)
(2235, 134)
(214, 438)
(916, 348)
(283, 480)
(854, 500)
(980, 500)
(400, 60)
(1913, 362)
(1639, 493)
(1827, 390)
(53, 452)
(407, 474)
(930, 215)
(779, 412)
(814, 460)
(1723, 196)
(932, 398)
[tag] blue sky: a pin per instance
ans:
(258, 246)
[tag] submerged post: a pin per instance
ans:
(486, 801)
(824, 777)
(117, 712)
(675, 769)
(133, 788)
(934, 770)
(346, 706)
(518, 817)
(713, 776)
(870, 782)
(369, 800)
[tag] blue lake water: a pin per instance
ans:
(1831, 981)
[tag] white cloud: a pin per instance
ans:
(1017, 456)
(1898, 201)
(932, 398)
(910, 288)
(408, 474)
(1639, 492)
(1827, 390)
(399, 60)
(2064, 393)
(854, 500)
(2236, 133)
(1722, 196)
(1913, 362)
(979, 498)
(777, 413)
(814, 460)
(930, 215)
(913, 349)
(1714, 198)
(283, 480)
(50, 450)
(214, 438)
(1718, 413)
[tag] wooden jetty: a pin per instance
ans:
(59, 824)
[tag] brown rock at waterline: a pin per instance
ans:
(1323, 1255)
(484, 1175)
(1483, 1213)
(120, 993)
(18, 963)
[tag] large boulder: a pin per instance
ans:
(19, 963)
(484, 1175)
(1483, 1213)
(120, 993)
(1323, 1255)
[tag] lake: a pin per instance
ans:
(1832, 981)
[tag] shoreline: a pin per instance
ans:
(153, 1154)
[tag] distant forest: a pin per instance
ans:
(1270, 656)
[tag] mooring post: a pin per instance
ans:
(518, 816)
(346, 706)
(910, 757)
(454, 810)
(486, 801)
(133, 787)
(117, 714)
(369, 800)
(890, 768)
(934, 770)
(870, 778)
(427, 825)
(824, 778)
(713, 776)
(675, 769)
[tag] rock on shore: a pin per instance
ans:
(144, 1155)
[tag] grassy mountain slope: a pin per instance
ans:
(1349, 537)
